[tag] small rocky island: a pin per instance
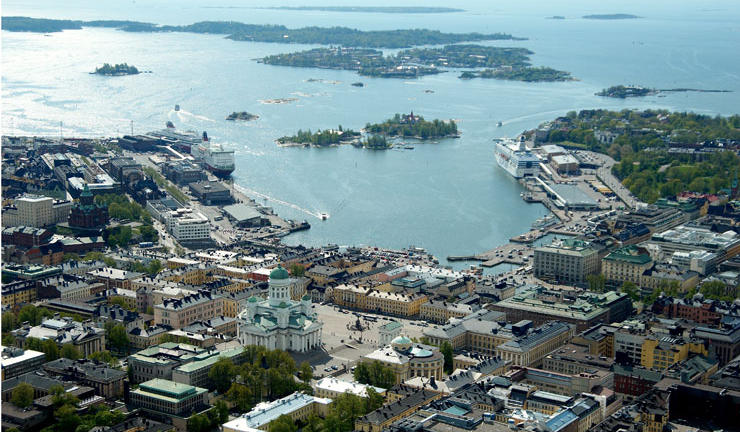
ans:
(116, 70)
(622, 92)
(242, 116)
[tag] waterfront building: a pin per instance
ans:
(178, 313)
(210, 192)
(626, 264)
(17, 361)
(409, 360)
(183, 172)
(566, 261)
(279, 322)
(188, 225)
(298, 406)
(529, 347)
(582, 308)
(36, 211)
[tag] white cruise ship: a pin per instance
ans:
(215, 158)
(516, 159)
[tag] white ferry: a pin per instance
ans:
(516, 159)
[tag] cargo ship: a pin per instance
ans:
(214, 157)
(516, 159)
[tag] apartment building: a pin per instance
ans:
(178, 313)
(36, 211)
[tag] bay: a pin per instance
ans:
(449, 197)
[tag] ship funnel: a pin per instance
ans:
(205, 136)
(522, 144)
(170, 125)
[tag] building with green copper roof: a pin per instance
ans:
(168, 397)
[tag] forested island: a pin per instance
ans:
(116, 70)
(242, 116)
(510, 63)
(268, 33)
(659, 153)
(526, 73)
(320, 138)
(619, 16)
(414, 126)
(371, 9)
(623, 92)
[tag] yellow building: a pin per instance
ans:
(661, 353)
(626, 264)
(18, 293)
(395, 304)
(350, 296)
(440, 311)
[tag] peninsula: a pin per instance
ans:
(268, 33)
(116, 70)
(414, 126)
(659, 153)
(242, 116)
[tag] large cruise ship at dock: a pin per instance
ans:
(212, 156)
(514, 157)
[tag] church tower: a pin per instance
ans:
(279, 291)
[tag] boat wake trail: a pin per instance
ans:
(244, 190)
(182, 114)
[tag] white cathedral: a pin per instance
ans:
(279, 322)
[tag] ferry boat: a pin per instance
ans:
(324, 216)
(214, 157)
(545, 222)
(179, 140)
(516, 159)
(177, 107)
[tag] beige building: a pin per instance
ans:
(480, 332)
(532, 347)
(178, 313)
(36, 211)
(566, 261)
(626, 264)
(439, 311)
(409, 360)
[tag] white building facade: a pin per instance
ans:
(279, 322)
